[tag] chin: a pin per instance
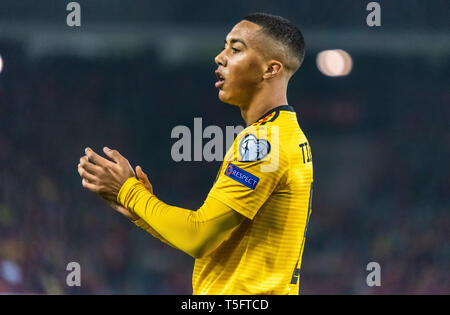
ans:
(223, 97)
(226, 99)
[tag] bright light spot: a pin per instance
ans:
(10, 271)
(1, 64)
(334, 63)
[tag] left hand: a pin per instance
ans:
(102, 176)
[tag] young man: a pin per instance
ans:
(249, 234)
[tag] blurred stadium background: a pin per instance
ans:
(380, 139)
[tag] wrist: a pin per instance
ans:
(125, 189)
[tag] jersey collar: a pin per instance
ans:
(265, 118)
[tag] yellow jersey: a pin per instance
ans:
(267, 177)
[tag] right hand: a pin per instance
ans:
(124, 211)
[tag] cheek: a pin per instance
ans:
(245, 72)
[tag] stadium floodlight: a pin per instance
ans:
(334, 63)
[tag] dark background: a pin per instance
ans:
(134, 70)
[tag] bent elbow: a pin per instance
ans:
(197, 253)
(200, 251)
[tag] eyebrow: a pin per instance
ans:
(236, 40)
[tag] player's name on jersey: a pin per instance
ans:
(306, 152)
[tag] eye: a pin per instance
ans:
(235, 50)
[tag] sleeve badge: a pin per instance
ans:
(252, 149)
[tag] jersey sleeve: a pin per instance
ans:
(197, 233)
(146, 227)
(252, 170)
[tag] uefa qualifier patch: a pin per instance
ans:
(252, 149)
(241, 176)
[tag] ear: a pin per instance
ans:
(274, 69)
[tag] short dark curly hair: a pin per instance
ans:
(283, 31)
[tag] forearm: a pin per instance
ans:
(196, 233)
(146, 227)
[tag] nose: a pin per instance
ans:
(220, 59)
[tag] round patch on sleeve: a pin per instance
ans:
(252, 149)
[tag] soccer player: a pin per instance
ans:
(249, 234)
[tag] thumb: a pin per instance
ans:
(140, 174)
(143, 177)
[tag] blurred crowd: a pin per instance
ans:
(379, 137)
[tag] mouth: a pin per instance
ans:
(220, 79)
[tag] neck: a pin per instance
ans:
(262, 103)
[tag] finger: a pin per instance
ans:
(140, 174)
(119, 208)
(114, 155)
(90, 186)
(97, 159)
(144, 178)
(86, 175)
(90, 167)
